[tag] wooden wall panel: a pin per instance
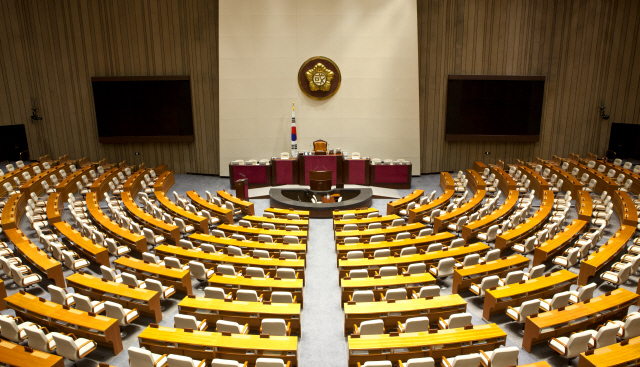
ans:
(587, 49)
(51, 49)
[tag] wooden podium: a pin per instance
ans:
(320, 180)
(242, 188)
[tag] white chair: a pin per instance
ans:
(534, 272)
(23, 280)
(224, 326)
(38, 340)
(370, 327)
(73, 348)
(275, 327)
(73, 263)
(151, 238)
(174, 360)
(114, 249)
(414, 325)
(455, 321)
(189, 322)
(13, 331)
(124, 315)
(246, 295)
(617, 277)
(60, 296)
(413, 362)
(444, 269)
(428, 291)
(582, 293)
(283, 297)
(527, 247)
(527, 308)
(604, 335)
(362, 296)
(216, 293)
(629, 326)
(86, 304)
(132, 280)
(164, 291)
(569, 260)
(467, 360)
(270, 362)
(487, 282)
(201, 273)
(491, 255)
(511, 278)
(571, 347)
(217, 362)
(394, 294)
(500, 357)
(490, 235)
(559, 300)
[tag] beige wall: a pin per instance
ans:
(264, 43)
(587, 49)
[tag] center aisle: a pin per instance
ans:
(322, 342)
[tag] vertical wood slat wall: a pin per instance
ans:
(589, 51)
(51, 49)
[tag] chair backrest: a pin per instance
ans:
(185, 322)
(129, 279)
(578, 343)
(36, 338)
(234, 250)
(631, 327)
(174, 360)
(115, 311)
(388, 271)
(150, 257)
(229, 327)
(255, 272)
(285, 273)
(489, 282)
(247, 295)
(607, 335)
(536, 271)
(358, 273)
(397, 223)
(263, 254)
(197, 270)
(417, 324)
(419, 268)
(420, 362)
(430, 290)
(363, 296)
(513, 277)
(459, 242)
(226, 269)
(265, 238)
(108, 273)
(10, 329)
(58, 295)
(382, 253)
(65, 346)
(528, 308)
(402, 235)
(372, 327)
(434, 247)
(505, 356)
(459, 320)
(425, 232)
(377, 238)
(446, 266)
(406, 251)
(281, 297)
(276, 327)
(154, 285)
(559, 300)
(269, 362)
(214, 293)
(355, 255)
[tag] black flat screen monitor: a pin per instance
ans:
(624, 140)
(155, 109)
(494, 108)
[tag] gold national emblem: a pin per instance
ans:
(319, 78)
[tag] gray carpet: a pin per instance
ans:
(322, 343)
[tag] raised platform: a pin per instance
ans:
(300, 199)
(378, 192)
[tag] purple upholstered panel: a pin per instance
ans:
(391, 174)
(321, 163)
(357, 169)
(255, 174)
(284, 171)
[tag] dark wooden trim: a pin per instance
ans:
(138, 78)
(146, 139)
(507, 138)
(497, 77)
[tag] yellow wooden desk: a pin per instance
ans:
(179, 279)
(389, 232)
(68, 185)
(500, 298)
(273, 248)
(536, 364)
(475, 180)
(282, 213)
(8, 176)
(613, 355)
(429, 258)
(505, 182)
(419, 212)
(36, 257)
(421, 243)
(532, 224)
(443, 343)
(35, 183)
(145, 300)
(401, 310)
(602, 181)
(134, 241)
(251, 313)
(225, 215)
(3, 295)
(359, 213)
(394, 207)
(169, 231)
(254, 232)
(536, 181)
(133, 184)
(470, 230)
(605, 253)
(364, 222)
(264, 286)
(279, 223)
(560, 242)
(16, 355)
(246, 206)
(101, 184)
(569, 183)
(440, 223)
(625, 208)
(201, 224)
(82, 244)
(412, 282)
(53, 204)
(584, 205)
(463, 277)
(209, 345)
(210, 259)
(103, 330)
(579, 316)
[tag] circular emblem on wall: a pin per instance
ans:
(319, 78)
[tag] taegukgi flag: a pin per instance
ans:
(294, 135)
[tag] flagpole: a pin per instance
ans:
(294, 134)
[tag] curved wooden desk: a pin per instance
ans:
(389, 232)
(364, 222)
(421, 244)
(225, 215)
(463, 277)
(412, 282)
(178, 278)
(440, 223)
(169, 231)
(300, 249)
(560, 242)
(16, 355)
(82, 244)
(470, 230)
(532, 224)
(253, 233)
(605, 253)
(394, 207)
(134, 241)
(416, 214)
(613, 355)
(246, 206)
(279, 223)
(359, 213)
(264, 286)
